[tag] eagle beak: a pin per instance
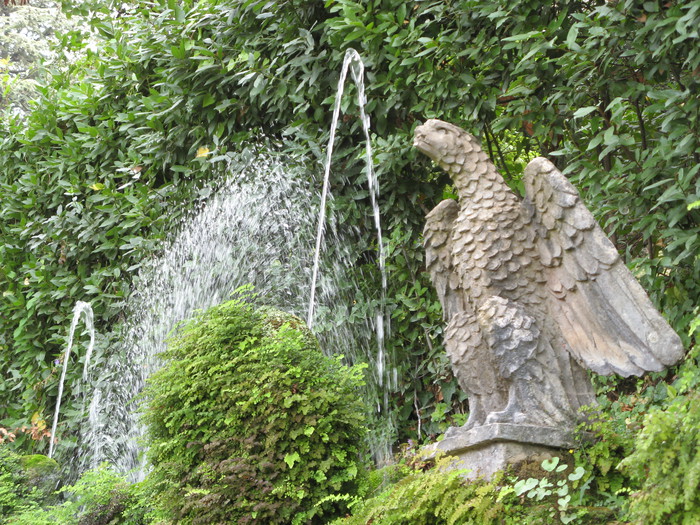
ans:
(422, 140)
(418, 136)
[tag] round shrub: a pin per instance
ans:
(249, 422)
(26, 482)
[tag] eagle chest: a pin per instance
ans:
(493, 251)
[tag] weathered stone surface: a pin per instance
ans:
(461, 438)
(484, 460)
(487, 449)
(533, 294)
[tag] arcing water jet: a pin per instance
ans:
(81, 308)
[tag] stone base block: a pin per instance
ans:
(487, 449)
(484, 461)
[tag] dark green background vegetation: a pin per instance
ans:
(607, 90)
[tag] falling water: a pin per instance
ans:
(257, 229)
(81, 308)
(353, 61)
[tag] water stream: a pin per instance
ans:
(353, 62)
(84, 309)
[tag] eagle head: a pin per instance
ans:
(443, 142)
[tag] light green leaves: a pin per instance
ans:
(525, 485)
(292, 458)
(571, 37)
(577, 473)
(560, 491)
(552, 465)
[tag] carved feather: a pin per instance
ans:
(606, 318)
(512, 334)
(438, 258)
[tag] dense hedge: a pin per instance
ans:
(607, 89)
(248, 422)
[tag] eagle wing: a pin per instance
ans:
(605, 316)
(437, 238)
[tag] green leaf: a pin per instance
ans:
(523, 486)
(610, 138)
(208, 100)
(577, 474)
(571, 37)
(582, 112)
(524, 36)
(291, 459)
(550, 464)
(179, 14)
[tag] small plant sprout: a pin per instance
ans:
(539, 489)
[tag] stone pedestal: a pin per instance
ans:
(487, 449)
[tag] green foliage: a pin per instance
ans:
(613, 440)
(12, 490)
(436, 496)
(6, 78)
(249, 422)
(560, 491)
(436, 492)
(666, 464)
(99, 497)
(25, 482)
(66, 236)
(27, 37)
(108, 160)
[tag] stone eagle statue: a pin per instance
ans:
(532, 290)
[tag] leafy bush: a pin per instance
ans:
(249, 422)
(99, 497)
(666, 463)
(13, 491)
(435, 492)
(434, 496)
(25, 482)
(613, 429)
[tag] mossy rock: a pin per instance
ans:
(38, 465)
(43, 475)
